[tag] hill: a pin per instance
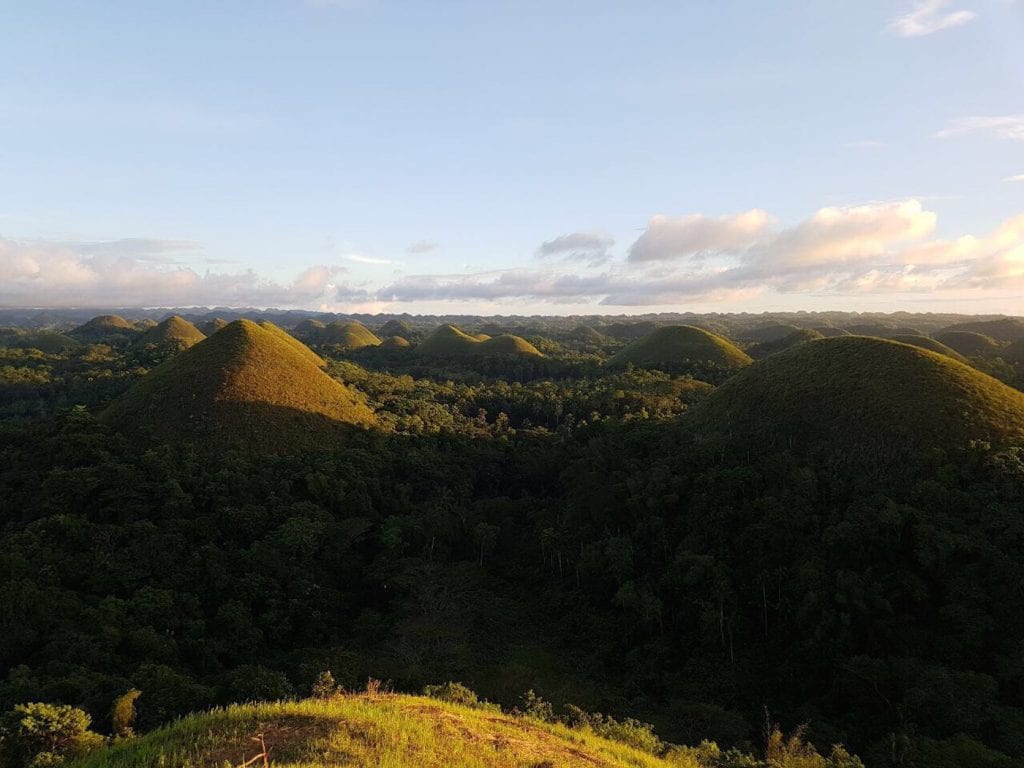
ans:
(882, 330)
(396, 328)
(309, 331)
(249, 384)
(828, 331)
(1014, 353)
(210, 327)
(968, 343)
(395, 342)
(173, 333)
(766, 348)
(769, 333)
(860, 400)
(449, 341)
(104, 328)
(1006, 329)
(348, 336)
(681, 347)
(932, 345)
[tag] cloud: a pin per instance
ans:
(925, 17)
(422, 246)
(360, 259)
(1002, 127)
(590, 247)
(118, 273)
(1018, 177)
(696, 234)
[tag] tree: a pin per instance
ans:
(123, 714)
(325, 687)
(37, 734)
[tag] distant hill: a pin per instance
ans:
(51, 342)
(250, 384)
(210, 327)
(969, 343)
(104, 328)
(396, 328)
(348, 336)
(883, 331)
(766, 348)
(584, 334)
(933, 345)
(390, 730)
(1014, 353)
(309, 331)
(449, 341)
(1005, 330)
(768, 333)
(395, 342)
(829, 332)
(859, 400)
(175, 333)
(678, 348)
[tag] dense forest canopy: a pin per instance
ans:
(826, 522)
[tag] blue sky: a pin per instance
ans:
(514, 157)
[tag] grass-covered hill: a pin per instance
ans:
(932, 345)
(969, 343)
(449, 341)
(678, 348)
(396, 328)
(173, 333)
(370, 731)
(859, 399)
(770, 332)
(766, 348)
(1005, 329)
(829, 331)
(213, 325)
(395, 342)
(104, 328)
(348, 336)
(248, 383)
(51, 342)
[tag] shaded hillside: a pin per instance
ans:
(248, 383)
(1005, 330)
(104, 328)
(766, 348)
(860, 400)
(175, 333)
(769, 333)
(210, 327)
(348, 336)
(395, 342)
(932, 345)
(968, 343)
(682, 348)
(396, 328)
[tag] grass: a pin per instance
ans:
(969, 343)
(103, 325)
(856, 398)
(449, 341)
(769, 333)
(932, 345)
(383, 731)
(676, 345)
(175, 331)
(348, 336)
(1005, 329)
(396, 342)
(248, 383)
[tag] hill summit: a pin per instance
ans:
(682, 348)
(104, 328)
(449, 341)
(250, 384)
(859, 400)
(175, 332)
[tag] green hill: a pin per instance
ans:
(1006, 329)
(368, 731)
(395, 342)
(766, 348)
(1014, 353)
(210, 327)
(829, 332)
(859, 400)
(104, 328)
(677, 348)
(309, 331)
(883, 331)
(348, 336)
(173, 333)
(396, 328)
(50, 342)
(768, 333)
(250, 384)
(294, 343)
(968, 343)
(449, 341)
(926, 342)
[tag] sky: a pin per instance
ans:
(528, 157)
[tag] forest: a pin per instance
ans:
(703, 522)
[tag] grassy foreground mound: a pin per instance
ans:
(681, 347)
(390, 731)
(248, 383)
(861, 400)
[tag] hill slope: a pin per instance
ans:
(396, 731)
(449, 341)
(174, 332)
(348, 336)
(1006, 329)
(932, 345)
(249, 384)
(859, 399)
(103, 327)
(968, 343)
(677, 347)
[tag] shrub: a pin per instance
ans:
(325, 687)
(123, 714)
(37, 735)
(629, 731)
(455, 693)
(534, 706)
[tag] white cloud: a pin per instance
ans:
(925, 17)
(360, 259)
(1001, 126)
(696, 234)
(1017, 177)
